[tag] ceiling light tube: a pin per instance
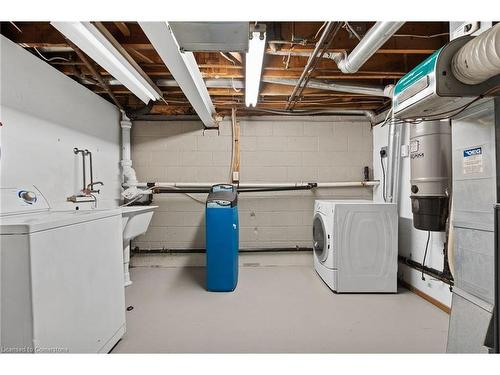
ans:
(253, 67)
(91, 41)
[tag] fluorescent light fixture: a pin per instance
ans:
(91, 41)
(253, 67)
(184, 69)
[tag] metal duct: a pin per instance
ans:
(394, 144)
(315, 84)
(371, 42)
(479, 59)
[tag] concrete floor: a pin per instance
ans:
(283, 309)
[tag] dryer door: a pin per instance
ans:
(320, 241)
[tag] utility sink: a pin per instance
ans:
(135, 221)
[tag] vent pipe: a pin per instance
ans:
(479, 59)
(371, 42)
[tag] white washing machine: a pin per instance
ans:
(355, 246)
(61, 277)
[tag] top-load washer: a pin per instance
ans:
(355, 245)
(61, 277)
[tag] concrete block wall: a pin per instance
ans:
(272, 150)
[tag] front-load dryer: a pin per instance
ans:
(355, 245)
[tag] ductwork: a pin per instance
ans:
(395, 141)
(479, 59)
(371, 42)
(354, 89)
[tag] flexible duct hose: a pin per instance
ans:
(479, 59)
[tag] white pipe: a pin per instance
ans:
(331, 86)
(126, 162)
(262, 184)
(479, 59)
(371, 42)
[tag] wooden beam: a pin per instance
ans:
(122, 26)
(140, 56)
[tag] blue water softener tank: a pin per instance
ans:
(222, 238)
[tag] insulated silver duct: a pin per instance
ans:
(479, 59)
(341, 87)
(371, 42)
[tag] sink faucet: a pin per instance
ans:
(90, 187)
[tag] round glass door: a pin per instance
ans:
(319, 239)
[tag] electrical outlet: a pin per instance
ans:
(383, 152)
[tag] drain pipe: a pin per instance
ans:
(250, 185)
(129, 178)
(371, 42)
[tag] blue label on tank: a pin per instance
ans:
(472, 152)
(218, 188)
(219, 204)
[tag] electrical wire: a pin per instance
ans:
(49, 59)
(139, 196)
(383, 177)
(420, 36)
(44, 197)
(17, 27)
(387, 117)
(319, 30)
(425, 253)
(351, 29)
(187, 194)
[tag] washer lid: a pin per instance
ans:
(36, 222)
(320, 240)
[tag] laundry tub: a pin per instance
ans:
(222, 238)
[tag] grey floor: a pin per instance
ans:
(285, 309)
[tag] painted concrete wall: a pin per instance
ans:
(411, 241)
(44, 115)
(272, 150)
